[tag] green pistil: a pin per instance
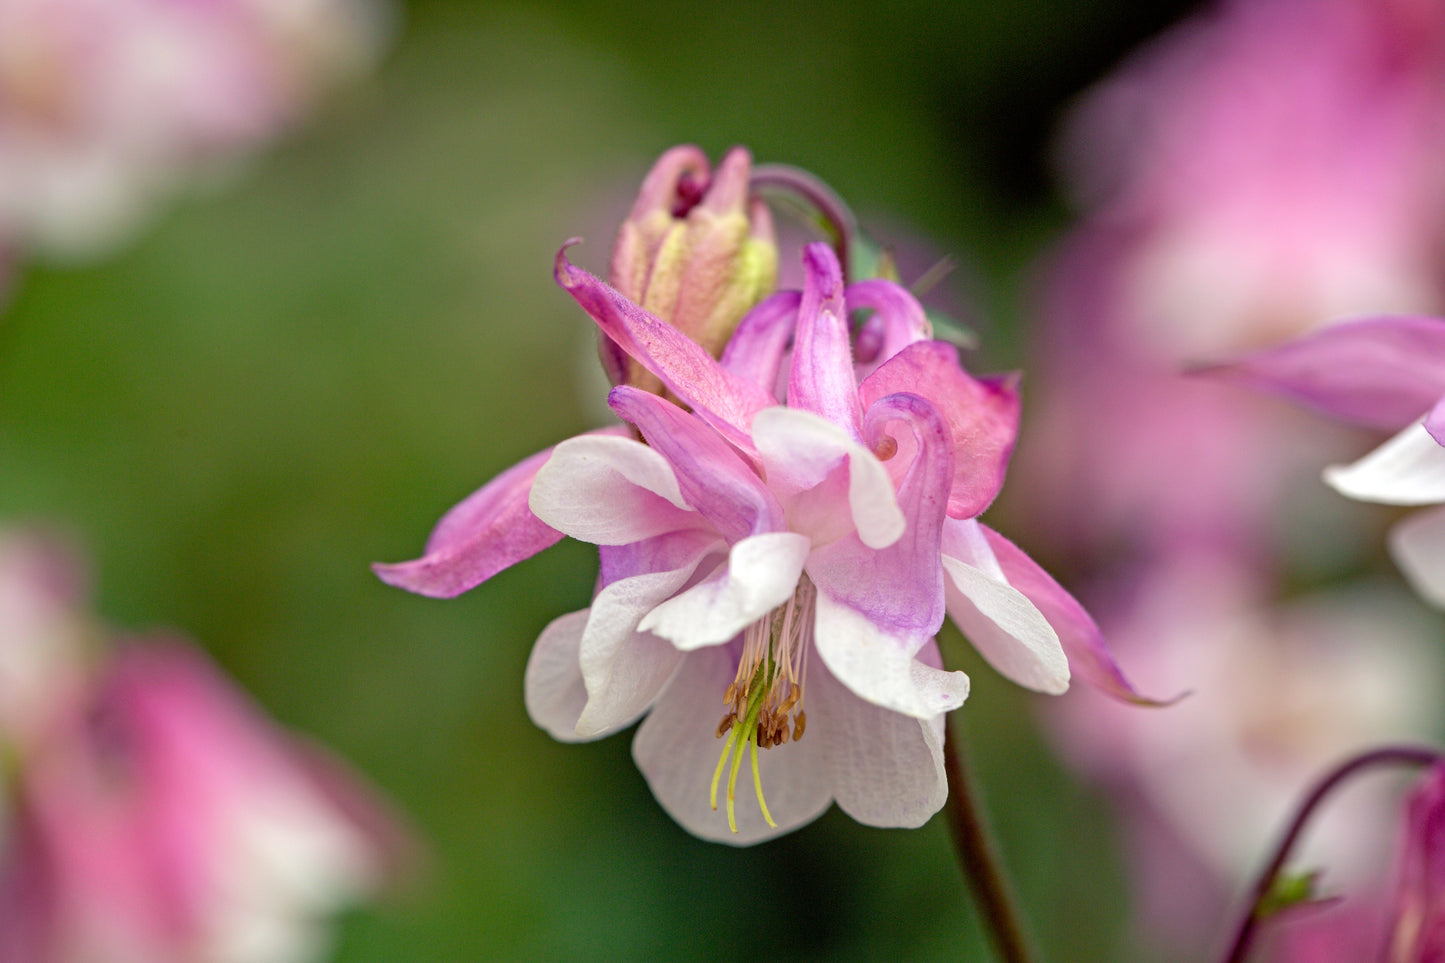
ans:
(744, 736)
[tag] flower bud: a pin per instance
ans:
(695, 251)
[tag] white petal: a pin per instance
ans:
(609, 491)
(881, 668)
(1005, 627)
(677, 752)
(1418, 545)
(885, 769)
(1409, 469)
(761, 573)
(800, 449)
(552, 684)
(623, 669)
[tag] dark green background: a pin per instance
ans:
(283, 382)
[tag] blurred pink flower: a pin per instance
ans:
(750, 547)
(106, 106)
(148, 812)
(1381, 372)
(1418, 918)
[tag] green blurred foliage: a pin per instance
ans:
(295, 376)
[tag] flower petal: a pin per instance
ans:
(677, 752)
(1418, 546)
(898, 320)
(885, 769)
(623, 668)
(898, 588)
(1002, 624)
(552, 684)
(1409, 469)
(761, 573)
(799, 450)
(487, 531)
(1376, 371)
(756, 348)
(725, 400)
(1083, 643)
(982, 416)
(821, 379)
(879, 667)
(610, 491)
(711, 475)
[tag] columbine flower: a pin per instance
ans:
(148, 813)
(773, 574)
(1381, 372)
(1418, 926)
(106, 105)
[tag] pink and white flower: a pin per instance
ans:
(148, 812)
(782, 545)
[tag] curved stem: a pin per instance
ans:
(832, 214)
(1388, 756)
(981, 865)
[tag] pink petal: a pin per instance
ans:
(898, 588)
(610, 491)
(1435, 422)
(677, 752)
(1083, 643)
(800, 451)
(885, 769)
(982, 416)
(755, 351)
(898, 320)
(711, 475)
(1381, 372)
(488, 531)
(726, 400)
(821, 380)
(999, 620)
(761, 573)
(1418, 927)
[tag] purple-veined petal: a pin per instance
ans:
(899, 587)
(982, 417)
(755, 351)
(1380, 372)
(1409, 469)
(552, 685)
(677, 752)
(879, 666)
(885, 769)
(623, 668)
(1083, 643)
(821, 379)
(1417, 544)
(761, 573)
(898, 320)
(800, 450)
(711, 475)
(727, 401)
(489, 530)
(610, 491)
(997, 619)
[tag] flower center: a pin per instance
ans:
(765, 698)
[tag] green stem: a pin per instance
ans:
(981, 865)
